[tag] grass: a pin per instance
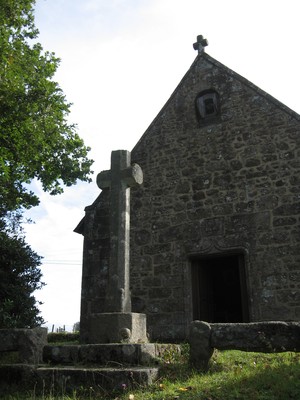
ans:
(239, 375)
(233, 375)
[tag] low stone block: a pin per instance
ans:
(28, 343)
(200, 345)
(61, 354)
(118, 328)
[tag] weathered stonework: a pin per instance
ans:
(228, 187)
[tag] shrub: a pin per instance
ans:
(63, 337)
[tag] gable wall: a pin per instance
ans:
(228, 186)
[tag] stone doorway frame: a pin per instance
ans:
(243, 263)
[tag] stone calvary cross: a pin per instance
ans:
(118, 324)
(120, 178)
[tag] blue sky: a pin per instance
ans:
(120, 61)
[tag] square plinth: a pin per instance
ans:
(118, 328)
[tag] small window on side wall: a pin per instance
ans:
(207, 105)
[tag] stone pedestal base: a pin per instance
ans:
(118, 328)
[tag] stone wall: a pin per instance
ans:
(231, 185)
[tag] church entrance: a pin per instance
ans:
(219, 288)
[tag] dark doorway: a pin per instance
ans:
(219, 289)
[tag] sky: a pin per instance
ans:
(120, 62)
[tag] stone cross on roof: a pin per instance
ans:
(200, 44)
(119, 179)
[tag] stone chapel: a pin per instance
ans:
(215, 226)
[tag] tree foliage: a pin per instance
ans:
(20, 276)
(36, 140)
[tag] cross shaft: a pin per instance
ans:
(119, 179)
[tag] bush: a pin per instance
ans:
(63, 337)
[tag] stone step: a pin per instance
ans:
(112, 355)
(66, 379)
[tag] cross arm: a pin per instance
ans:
(132, 176)
(104, 179)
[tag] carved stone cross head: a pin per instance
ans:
(121, 172)
(200, 44)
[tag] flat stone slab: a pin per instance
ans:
(264, 336)
(67, 379)
(269, 336)
(108, 354)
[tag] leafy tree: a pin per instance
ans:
(36, 140)
(20, 276)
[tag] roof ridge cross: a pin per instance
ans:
(200, 44)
